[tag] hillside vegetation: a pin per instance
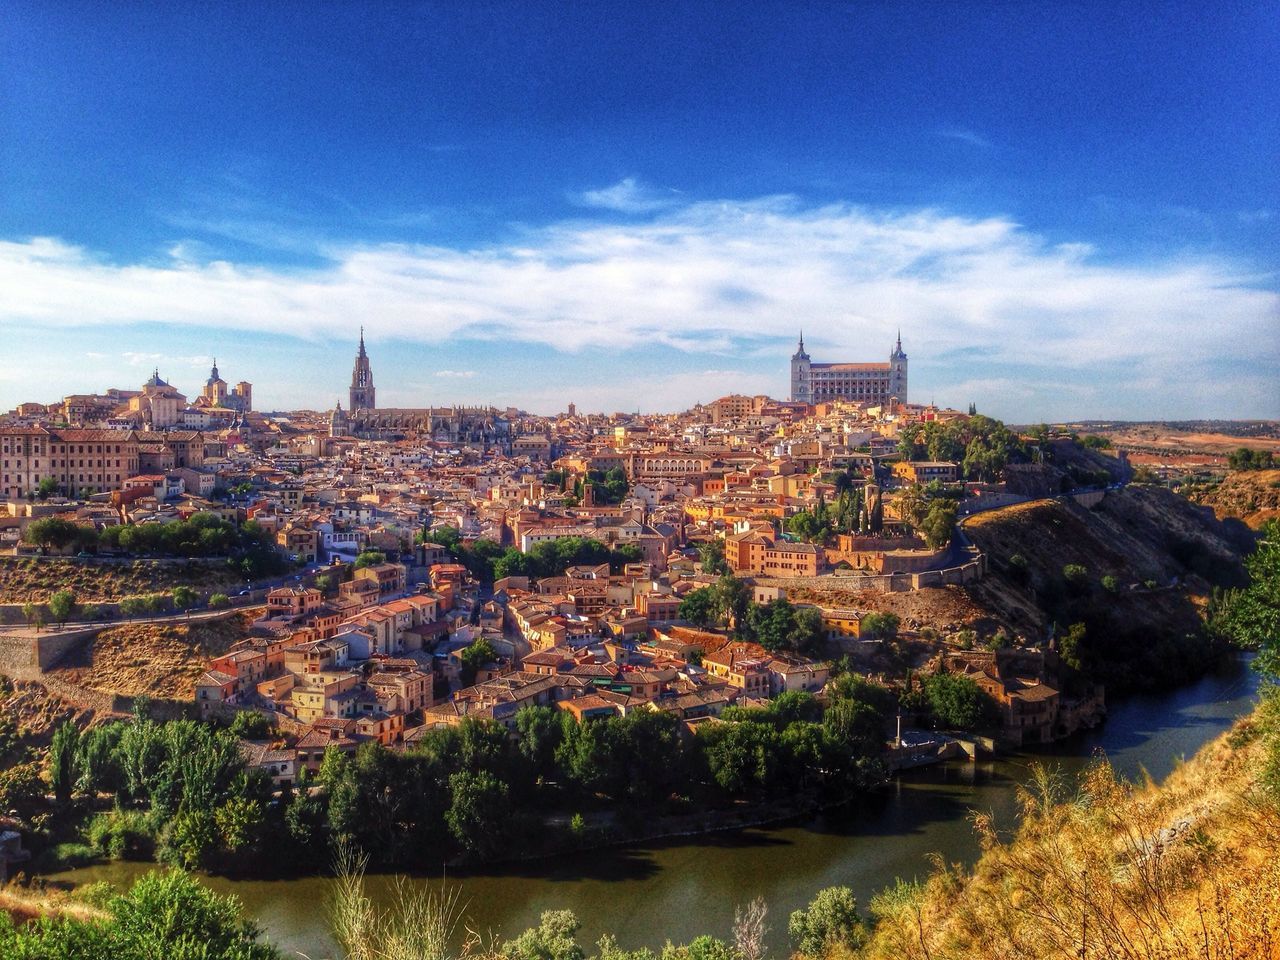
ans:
(1134, 571)
(1110, 869)
(35, 578)
(1250, 495)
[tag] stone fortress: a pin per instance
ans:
(867, 383)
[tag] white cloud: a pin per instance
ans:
(456, 374)
(626, 196)
(735, 278)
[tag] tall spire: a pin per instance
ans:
(802, 339)
(362, 353)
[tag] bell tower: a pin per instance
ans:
(898, 372)
(801, 381)
(362, 390)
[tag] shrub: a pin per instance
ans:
(830, 919)
(218, 601)
(1111, 583)
(66, 856)
(1076, 578)
(1019, 569)
(120, 835)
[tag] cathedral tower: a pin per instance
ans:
(362, 391)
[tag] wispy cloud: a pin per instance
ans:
(734, 278)
(456, 374)
(964, 136)
(627, 196)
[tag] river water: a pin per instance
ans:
(679, 889)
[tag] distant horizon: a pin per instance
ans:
(1064, 208)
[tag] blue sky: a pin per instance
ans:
(1070, 209)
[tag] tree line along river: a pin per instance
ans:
(679, 889)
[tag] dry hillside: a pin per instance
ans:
(1110, 870)
(1250, 495)
(1150, 560)
(35, 578)
(161, 661)
(36, 710)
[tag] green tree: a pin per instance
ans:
(62, 761)
(711, 554)
(912, 506)
(1076, 578)
(809, 634)
(806, 525)
(540, 732)
(53, 532)
(184, 597)
(699, 607)
(62, 605)
(477, 655)
(957, 702)
(733, 600)
(479, 813)
(1251, 617)
(370, 558)
(1071, 647)
(938, 523)
(250, 725)
(830, 920)
(879, 626)
(218, 601)
(33, 613)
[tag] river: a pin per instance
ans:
(650, 892)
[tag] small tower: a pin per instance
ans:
(362, 390)
(898, 372)
(801, 382)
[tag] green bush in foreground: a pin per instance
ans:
(167, 915)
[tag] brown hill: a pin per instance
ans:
(1250, 495)
(1146, 560)
(161, 661)
(35, 578)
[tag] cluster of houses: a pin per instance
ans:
(380, 652)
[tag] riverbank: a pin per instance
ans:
(692, 884)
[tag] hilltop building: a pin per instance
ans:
(869, 383)
(215, 393)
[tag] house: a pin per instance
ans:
(926, 471)
(390, 578)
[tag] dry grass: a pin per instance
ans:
(29, 578)
(1112, 871)
(27, 903)
(159, 660)
(419, 924)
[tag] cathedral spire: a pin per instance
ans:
(361, 395)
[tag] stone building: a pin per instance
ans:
(477, 428)
(869, 383)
